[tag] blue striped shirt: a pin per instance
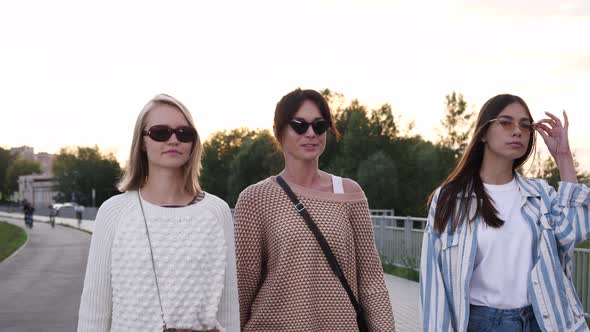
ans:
(558, 220)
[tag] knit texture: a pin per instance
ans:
(284, 280)
(194, 257)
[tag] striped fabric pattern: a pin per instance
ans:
(559, 220)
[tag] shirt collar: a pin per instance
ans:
(527, 188)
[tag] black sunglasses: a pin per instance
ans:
(319, 126)
(162, 133)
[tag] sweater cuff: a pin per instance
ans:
(573, 194)
(378, 312)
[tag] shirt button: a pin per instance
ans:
(535, 282)
(545, 315)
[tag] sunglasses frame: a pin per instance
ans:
(504, 124)
(301, 126)
(179, 132)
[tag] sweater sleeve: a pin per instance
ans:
(228, 313)
(96, 302)
(249, 252)
(372, 292)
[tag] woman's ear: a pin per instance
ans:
(483, 138)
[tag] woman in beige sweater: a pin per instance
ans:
(284, 280)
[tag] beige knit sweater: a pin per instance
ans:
(193, 250)
(284, 280)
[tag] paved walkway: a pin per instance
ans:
(404, 295)
(42, 283)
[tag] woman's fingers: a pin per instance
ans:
(543, 128)
(567, 123)
(554, 118)
(550, 122)
(542, 132)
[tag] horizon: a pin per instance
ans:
(122, 158)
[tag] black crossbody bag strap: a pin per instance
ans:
(360, 315)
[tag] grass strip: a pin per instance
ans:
(11, 238)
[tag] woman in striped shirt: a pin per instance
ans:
(497, 248)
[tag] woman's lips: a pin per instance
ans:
(309, 146)
(516, 144)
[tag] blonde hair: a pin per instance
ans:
(137, 170)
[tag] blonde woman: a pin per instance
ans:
(162, 253)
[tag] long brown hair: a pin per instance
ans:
(454, 199)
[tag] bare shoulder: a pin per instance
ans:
(350, 186)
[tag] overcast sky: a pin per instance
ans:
(78, 72)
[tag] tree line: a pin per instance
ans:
(77, 171)
(397, 169)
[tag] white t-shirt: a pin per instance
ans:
(504, 255)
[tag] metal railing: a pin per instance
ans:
(399, 242)
(382, 212)
(581, 277)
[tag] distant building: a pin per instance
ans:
(37, 189)
(46, 161)
(24, 152)
(28, 153)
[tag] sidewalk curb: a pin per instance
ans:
(86, 226)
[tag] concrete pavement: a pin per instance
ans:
(405, 300)
(41, 285)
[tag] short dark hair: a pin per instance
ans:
(290, 104)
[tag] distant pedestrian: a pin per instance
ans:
(52, 214)
(79, 209)
(28, 210)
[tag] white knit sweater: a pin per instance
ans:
(195, 262)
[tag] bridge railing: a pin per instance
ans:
(399, 242)
(581, 276)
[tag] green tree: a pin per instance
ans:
(256, 160)
(5, 160)
(378, 176)
(382, 124)
(396, 170)
(333, 98)
(356, 144)
(421, 167)
(18, 168)
(218, 153)
(456, 123)
(547, 169)
(79, 170)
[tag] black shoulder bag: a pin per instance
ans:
(360, 315)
